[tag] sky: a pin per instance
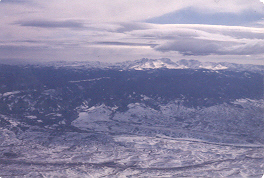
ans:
(121, 30)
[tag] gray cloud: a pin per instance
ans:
(52, 24)
(190, 47)
(116, 43)
(201, 40)
(128, 27)
(169, 35)
(243, 35)
(13, 49)
(15, 1)
(247, 49)
(197, 47)
(192, 16)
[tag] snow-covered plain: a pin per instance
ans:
(101, 155)
(141, 142)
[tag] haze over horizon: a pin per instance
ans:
(119, 30)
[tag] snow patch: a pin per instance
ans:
(90, 118)
(89, 80)
(10, 93)
(31, 117)
(217, 67)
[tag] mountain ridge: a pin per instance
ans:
(163, 63)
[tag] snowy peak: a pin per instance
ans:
(216, 67)
(153, 64)
(165, 63)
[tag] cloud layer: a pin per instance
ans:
(193, 16)
(52, 24)
(120, 30)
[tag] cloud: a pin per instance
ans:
(192, 47)
(117, 29)
(136, 10)
(105, 10)
(196, 47)
(15, 1)
(131, 26)
(117, 43)
(252, 48)
(52, 24)
(165, 32)
(211, 40)
(240, 34)
(193, 16)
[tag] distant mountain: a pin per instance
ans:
(150, 64)
(145, 64)
(164, 63)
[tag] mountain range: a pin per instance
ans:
(144, 118)
(163, 63)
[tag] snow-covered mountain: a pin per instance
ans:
(163, 63)
(151, 64)
(132, 119)
(166, 63)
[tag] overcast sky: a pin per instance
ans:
(120, 30)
